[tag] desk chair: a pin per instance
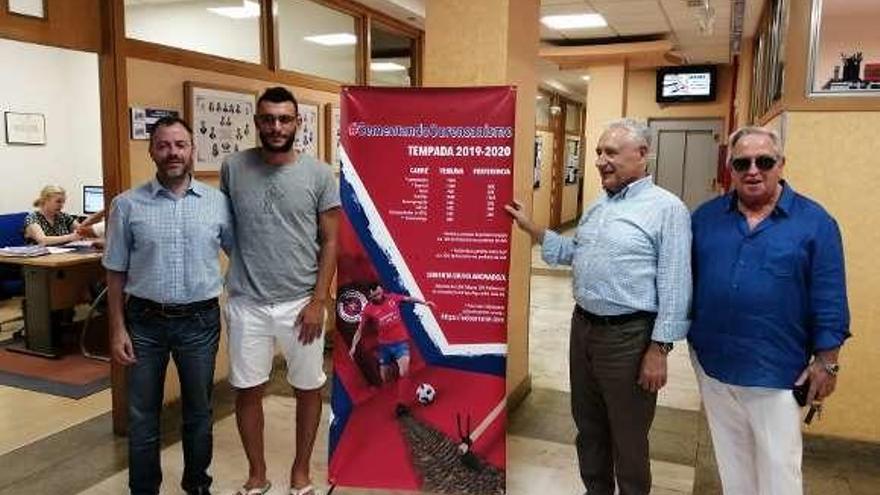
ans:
(11, 281)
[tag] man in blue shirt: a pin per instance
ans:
(631, 271)
(163, 246)
(769, 295)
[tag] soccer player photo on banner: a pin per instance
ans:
(420, 353)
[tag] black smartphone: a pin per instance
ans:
(800, 393)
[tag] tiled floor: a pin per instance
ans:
(533, 463)
(26, 416)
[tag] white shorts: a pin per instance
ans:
(253, 329)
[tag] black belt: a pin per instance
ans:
(174, 310)
(615, 319)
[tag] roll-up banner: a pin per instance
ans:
(420, 354)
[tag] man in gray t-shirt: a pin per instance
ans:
(286, 209)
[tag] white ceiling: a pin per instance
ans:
(627, 20)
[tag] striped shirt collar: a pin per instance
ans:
(195, 187)
(633, 188)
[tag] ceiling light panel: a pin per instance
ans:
(335, 39)
(566, 22)
(247, 10)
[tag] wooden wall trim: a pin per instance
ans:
(357, 9)
(519, 393)
(557, 181)
(115, 155)
(185, 58)
(268, 36)
(365, 41)
(73, 24)
(776, 109)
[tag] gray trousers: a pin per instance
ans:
(613, 414)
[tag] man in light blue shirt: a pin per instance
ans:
(163, 246)
(630, 261)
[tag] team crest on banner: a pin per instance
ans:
(420, 353)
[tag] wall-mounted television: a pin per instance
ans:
(693, 83)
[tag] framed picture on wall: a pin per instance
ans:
(332, 116)
(844, 51)
(222, 119)
(572, 159)
(308, 134)
(143, 120)
(28, 8)
(25, 128)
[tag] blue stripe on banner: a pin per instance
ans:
(340, 404)
(486, 363)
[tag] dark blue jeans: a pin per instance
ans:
(191, 340)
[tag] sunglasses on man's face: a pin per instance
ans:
(763, 162)
(269, 119)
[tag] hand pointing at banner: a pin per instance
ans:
(416, 300)
(518, 212)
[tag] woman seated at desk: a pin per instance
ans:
(48, 225)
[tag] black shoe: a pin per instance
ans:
(401, 410)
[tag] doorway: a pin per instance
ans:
(686, 157)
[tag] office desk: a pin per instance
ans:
(54, 281)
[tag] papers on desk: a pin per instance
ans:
(79, 244)
(60, 250)
(24, 251)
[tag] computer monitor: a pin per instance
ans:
(93, 199)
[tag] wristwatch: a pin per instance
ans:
(831, 368)
(665, 347)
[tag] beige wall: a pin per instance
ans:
(832, 158)
(541, 195)
(470, 43)
(569, 203)
(606, 101)
(157, 85)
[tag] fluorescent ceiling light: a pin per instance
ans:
(585, 78)
(575, 21)
(386, 67)
(336, 39)
(247, 10)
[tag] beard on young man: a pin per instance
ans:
(272, 140)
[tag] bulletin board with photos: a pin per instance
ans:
(222, 119)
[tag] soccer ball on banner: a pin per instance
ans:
(425, 393)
